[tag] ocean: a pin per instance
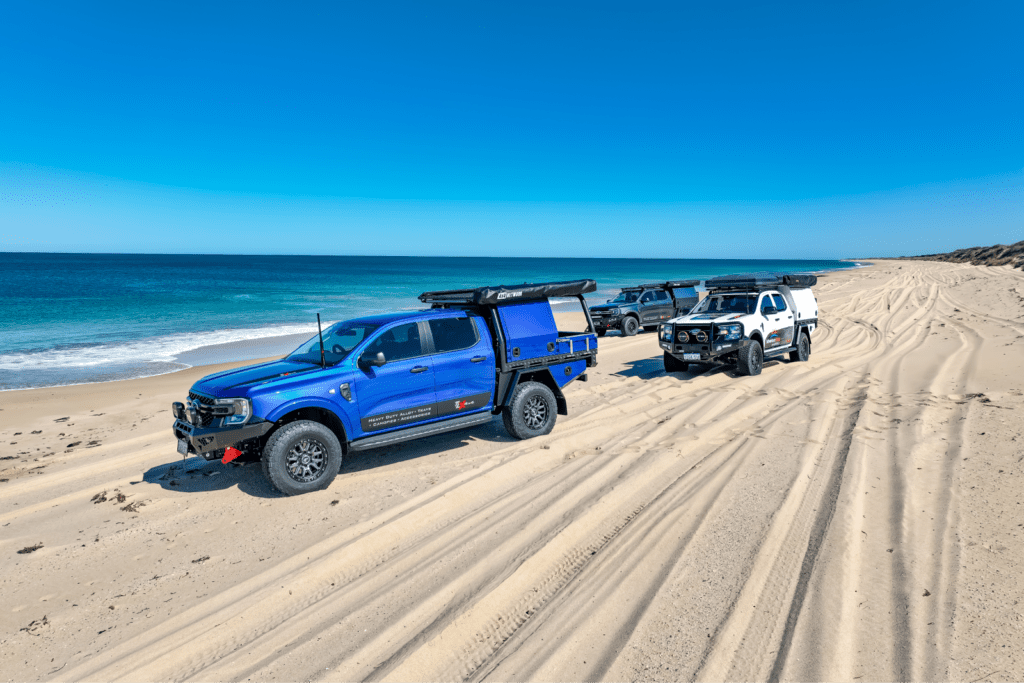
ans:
(78, 318)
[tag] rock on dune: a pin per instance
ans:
(998, 255)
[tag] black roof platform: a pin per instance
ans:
(671, 284)
(761, 281)
(501, 294)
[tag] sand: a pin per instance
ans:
(855, 517)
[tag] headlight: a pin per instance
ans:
(241, 409)
(730, 332)
(682, 336)
(666, 333)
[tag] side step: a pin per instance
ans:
(368, 442)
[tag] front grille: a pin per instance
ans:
(205, 418)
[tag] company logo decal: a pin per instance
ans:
(508, 295)
(407, 416)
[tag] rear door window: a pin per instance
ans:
(780, 302)
(662, 296)
(453, 334)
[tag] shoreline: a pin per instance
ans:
(255, 349)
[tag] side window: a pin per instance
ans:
(398, 343)
(453, 334)
(661, 295)
(766, 301)
(647, 297)
(780, 302)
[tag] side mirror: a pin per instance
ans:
(369, 361)
(769, 310)
(608, 301)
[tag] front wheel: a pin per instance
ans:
(750, 359)
(301, 457)
(803, 349)
(629, 327)
(673, 364)
(531, 411)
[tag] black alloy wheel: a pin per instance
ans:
(750, 359)
(629, 326)
(531, 411)
(803, 349)
(307, 461)
(673, 364)
(302, 456)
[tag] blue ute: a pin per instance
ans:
(383, 379)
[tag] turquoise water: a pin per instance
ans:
(72, 318)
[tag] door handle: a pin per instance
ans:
(420, 368)
(477, 359)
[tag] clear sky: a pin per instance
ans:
(678, 129)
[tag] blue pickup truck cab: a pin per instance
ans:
(384, 379)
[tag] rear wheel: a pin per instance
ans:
(301, 457)
(650, 328)
(673, 364)
(601, 331)
(531, 411)
(750, 359)
(630, 326)
(803, 349)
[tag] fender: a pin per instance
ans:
(309, 402)
(542, 375)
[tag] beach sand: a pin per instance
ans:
(855, 517)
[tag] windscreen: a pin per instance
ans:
(727, 303)
(625, 298)
(339, 341)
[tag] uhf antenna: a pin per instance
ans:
(323, 360)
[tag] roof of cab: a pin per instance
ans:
(419, 314)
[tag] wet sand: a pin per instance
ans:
(855, 517)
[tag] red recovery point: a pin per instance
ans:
(230, 453)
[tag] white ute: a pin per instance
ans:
(744, 320)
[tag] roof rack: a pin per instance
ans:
(760, 281)
(671, 284)
(510, 293)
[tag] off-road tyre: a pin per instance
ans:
(650, 328)
(630, 326)
(301, 457)
(803, 349)
(750, 359)
(531, 411)
(673, 364)
(600, 332)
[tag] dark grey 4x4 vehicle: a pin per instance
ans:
(645, 306)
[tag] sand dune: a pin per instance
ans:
(855, 517)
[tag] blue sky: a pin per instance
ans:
(547, 129)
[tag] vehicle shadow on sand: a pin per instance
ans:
(492, 432)
(196, 475)
(648, 368)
